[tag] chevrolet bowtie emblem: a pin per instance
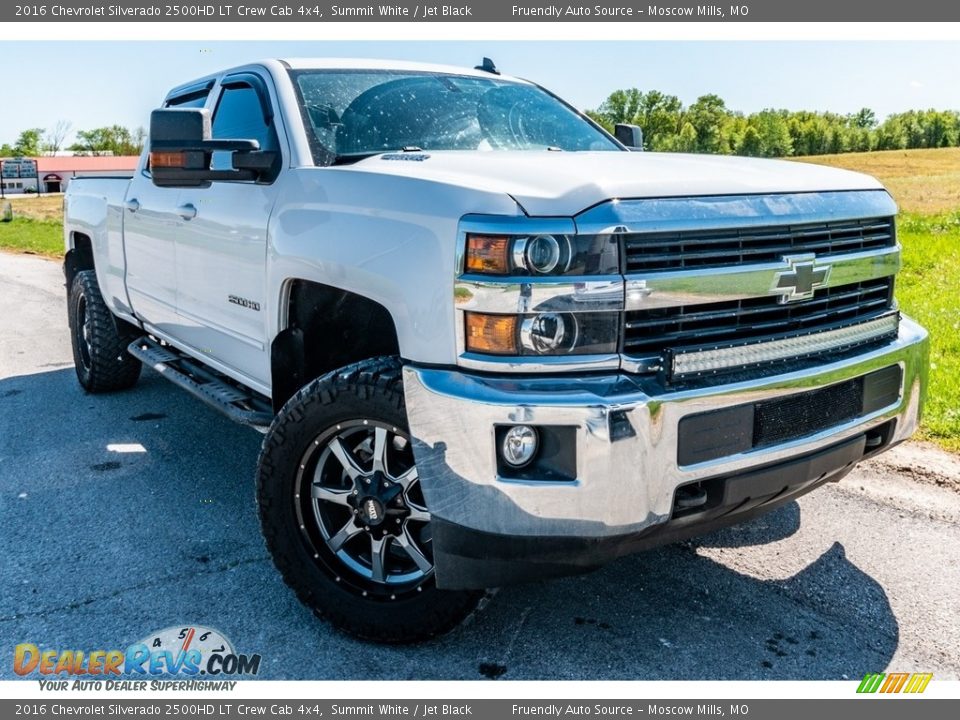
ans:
(803, 278)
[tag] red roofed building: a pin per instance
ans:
(55, 173)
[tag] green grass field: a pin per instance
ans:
(40, 237)
(37, 225)
(928, 289)
(926, 185)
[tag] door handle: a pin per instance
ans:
(132, 204)
(188, 211)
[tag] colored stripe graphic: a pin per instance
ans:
(918, 682)
(894, 683)
(870, 683)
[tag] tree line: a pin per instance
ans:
(709, 126)
(109, 140)
(705, 126)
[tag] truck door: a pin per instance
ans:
(151, 222)
(221, 249)
(149, 227)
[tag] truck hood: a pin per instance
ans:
(565, 184)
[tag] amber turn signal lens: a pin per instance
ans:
(491, 334)
(168, 159)
(487, 254)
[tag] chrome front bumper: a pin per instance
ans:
(624, 485)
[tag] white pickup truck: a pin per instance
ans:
(487, 342)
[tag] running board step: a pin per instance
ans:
(235, 401)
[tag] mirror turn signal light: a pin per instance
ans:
(488, 254)
(168, 159)
(491, 334)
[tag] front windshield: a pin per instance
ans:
(351, 114)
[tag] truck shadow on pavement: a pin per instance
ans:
(127, 513)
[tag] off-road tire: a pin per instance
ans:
(369, 390)
(99, 342)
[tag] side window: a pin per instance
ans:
(239, 117)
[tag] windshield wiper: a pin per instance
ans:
(350, 158)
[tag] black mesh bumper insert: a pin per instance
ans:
(720, 433)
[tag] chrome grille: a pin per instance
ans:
(688, 249)
(650, 333)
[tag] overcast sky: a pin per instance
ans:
(101, 83)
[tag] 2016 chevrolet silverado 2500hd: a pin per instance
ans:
(487, 343)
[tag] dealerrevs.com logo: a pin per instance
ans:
(191, 652)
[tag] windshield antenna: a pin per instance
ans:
(487, 66)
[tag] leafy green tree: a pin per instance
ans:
(685, 141)
(865, 118)
(659, 115)
(621, 107)
(707, 116)
(750, 144)
(29, 143)
(111, 140)
(774, 133)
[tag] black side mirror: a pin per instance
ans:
(179, 127)
(181, 148)
(629, 135)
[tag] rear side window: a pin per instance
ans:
(239, 116)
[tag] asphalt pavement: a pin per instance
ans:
(128, 513)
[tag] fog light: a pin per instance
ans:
(519, 445)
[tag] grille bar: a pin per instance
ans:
(745, 312)
(718, 248)
(652, 332)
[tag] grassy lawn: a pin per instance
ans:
(39, 237)
(926, 185)
(36, 226)
(928, 289)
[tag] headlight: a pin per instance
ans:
(544, 254)
(548, 333)
(541, 333)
